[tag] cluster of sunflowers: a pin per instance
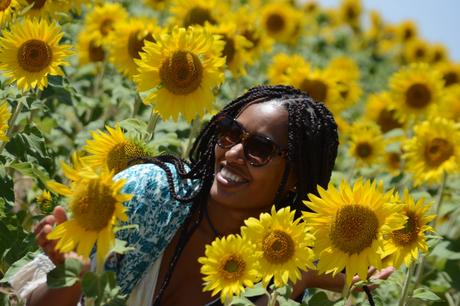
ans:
(151, 72)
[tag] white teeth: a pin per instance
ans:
(231, 176)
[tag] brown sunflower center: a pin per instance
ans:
(135, 44)
(38, 4)
(106, 26)
(354, 229)
(394, 160)
(229, 49)
(232, 267)
(451, 78)
(315, 88)
(408, 33)
(252, 36)
(437, 151)
(364, 149)
(419, 53)
(418, 96)
(409, 233)
(96, 53)
(275, 23)
(438, 56)
(351, 13)
(34, 55)
(4, 4)
(93, 204)
(278, 247)
(198, 16)
(181, 73)
(121, 154)
(387, 120)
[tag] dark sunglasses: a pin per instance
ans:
(258, 149)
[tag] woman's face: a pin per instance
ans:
(239, 185)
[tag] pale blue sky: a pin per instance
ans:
(438, 21)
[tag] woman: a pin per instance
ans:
(272, 145)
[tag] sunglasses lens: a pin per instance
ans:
(258, 150)
(229, 133)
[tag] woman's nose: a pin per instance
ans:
(235, 154)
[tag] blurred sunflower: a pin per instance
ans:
(280, 21)
(113, 151)
(127, 42)
(439, 54)
(281, 66)
(187, 64)
(235, 46)
(102, 20)
(393, 162)
(349, 90)
(346, 65)
(157, 4)
(30, 51)
(407, 31)
(230, 264)
(450, 104)
(96, 205)
(415, 90)
(44, 8)
(404, 244)
(416, 50)
(367, 144)
(7, 10)
(4, 117)
(450, 73)
(282, 245)
(380, 110)
(350, 13)
(349, 225)
(433, 150)
(89, 48)
(187, 13)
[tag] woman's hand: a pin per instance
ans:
(373, 273)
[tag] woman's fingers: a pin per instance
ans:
(59, 214)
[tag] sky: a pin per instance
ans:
(438, 21)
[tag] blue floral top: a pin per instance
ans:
(157, 214)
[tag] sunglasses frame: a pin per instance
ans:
(244, 136)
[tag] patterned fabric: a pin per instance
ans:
(156, 213)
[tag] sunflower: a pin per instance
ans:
(89, 48)
(449, 107)
(433, 151)
(102, 20)
(282, 245)
(416, 50)
(7, 10)
(44, 8)
(128, 40)
(349, 89)
(350, 12)
(347, 65)
(380, 110)
(367, 144)
(30, 51)
(404, 244)
(280, 21)
(439, 54)
(281, 66)
(45, 202)
(450, 73)
(113, 151)
(96, 205)
(157, 4)
(407, 31)
(230, 264)
(4, 117)
(415, 90)
(197, 12)
(393, 162)
(184, 67)
(349, 225)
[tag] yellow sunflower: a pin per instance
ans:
(280, 21)
(439, 54)
(415, 90)
(347, 65)
(128, 40)
(89, 48)
(230, 264)
(393, 162)
(282, 245)
(433, 150)
(450, 73)
(44, 8)
(367, 144)
(416, 50)
(157, 4)
(450, 104)
(407, 31)
(197, 12)
(102, 20)
(8, 8)
(379, 109)
(183, 67)
(349, 225)
(350, 12)
(404, 244)
(4, 117)
(30, 51)
(349, 90)
(96, 205)
(113, 151)
(281, 66)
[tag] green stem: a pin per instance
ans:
(154, 117)
(11, 122)
(407, 280)
(272, 299)
(196, 123)
(450, 299)
(137, 104)
(439, 200)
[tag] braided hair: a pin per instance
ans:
(312, 148)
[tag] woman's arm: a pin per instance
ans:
(44, 296)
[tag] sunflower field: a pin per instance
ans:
(86, 86)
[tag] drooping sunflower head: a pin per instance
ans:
(95, 201)
(229, 265)
(450, 73)
(415, 90)
(188, 64)
(367, 144)
(350, 12)
(349, 224)
(349, 89)
(127, 42)
(405, 243)
(433, 150)
(380, 110)
(102, 20)
(407, 31)
(45, 202)
(393, 162)
(282, 65)
(113, 150)
(5, 115)
(89, 48)
(197, 12)
(280, 21)
(282, 245)
(30, 51)
(347, 65)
